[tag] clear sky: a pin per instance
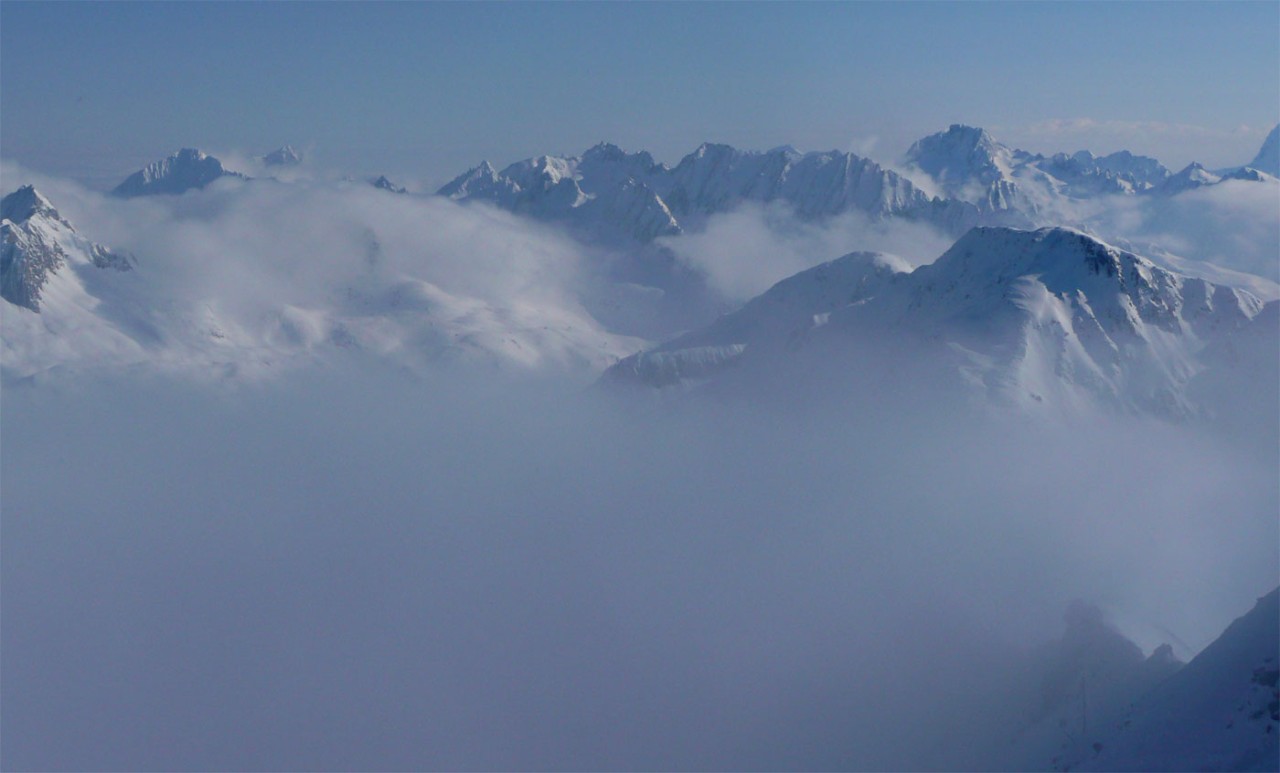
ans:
(425, 90)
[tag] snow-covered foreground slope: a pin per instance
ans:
(1049, 318)
(206, 302)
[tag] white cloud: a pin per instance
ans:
(1174, 144)
(745, 251)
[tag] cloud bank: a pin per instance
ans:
(358, 570)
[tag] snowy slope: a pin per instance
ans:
(1188, 179)
(187, 169)
(1220, 712)
(781, 315)
(1034, 319)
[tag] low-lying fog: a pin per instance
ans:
(354, 569)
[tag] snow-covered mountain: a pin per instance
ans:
(1122, 198)
(612, 194)
(39, 249)
(1189, 178)
(966, 163)
(605, 193)
(61, 292)
(183, 171)
(1040, 318)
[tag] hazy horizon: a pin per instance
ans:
(95, 91)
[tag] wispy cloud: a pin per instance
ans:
(1175, 144)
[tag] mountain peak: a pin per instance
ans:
(1053, 248)
(479, 180)
(1193, 175)
(36, 243)
(960, 156)
(714, 149)
(283, 156)
(187, 169)
(25, 203)
(969, 134)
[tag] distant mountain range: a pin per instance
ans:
(1039, 319)
(611, 195)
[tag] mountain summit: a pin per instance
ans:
(26, 203)
(966, 163)
(962, 156)
(183, 171)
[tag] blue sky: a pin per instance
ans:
(423, 91)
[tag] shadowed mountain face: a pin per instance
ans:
(1220, 712)
(1268, 158)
